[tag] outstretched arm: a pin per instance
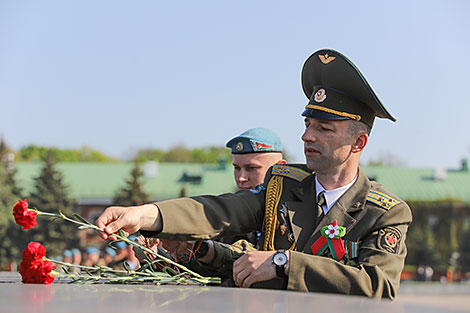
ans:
(130, 219)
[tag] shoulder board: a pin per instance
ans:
(381, 199)
(290, 171)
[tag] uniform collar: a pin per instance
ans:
(352, 200)
(331, 196)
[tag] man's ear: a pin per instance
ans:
(360, 143)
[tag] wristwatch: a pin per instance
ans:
(203, 248)
(280, 260)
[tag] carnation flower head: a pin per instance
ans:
(34, 251)
(34, 269)
(37, 272)
(23, 216)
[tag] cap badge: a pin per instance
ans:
(258, 146)
(320, 95)
(325, 59)
(239, 146)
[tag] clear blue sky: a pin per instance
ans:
(123, 75)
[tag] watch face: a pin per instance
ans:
(280, 259)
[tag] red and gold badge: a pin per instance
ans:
(389, 239)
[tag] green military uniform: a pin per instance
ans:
(358, 246)
(367, 211)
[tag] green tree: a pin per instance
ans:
(178, 154)
(84, 154)
(209, 154)
(145, 155)
(12, 241)
(132, 193)
(464, 249)
(51, 195)
(421, 245)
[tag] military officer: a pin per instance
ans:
(325, 226)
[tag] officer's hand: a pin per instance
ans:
(129, 219)
(254, 266)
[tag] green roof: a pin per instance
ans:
(103, 180)
(95, 181)
(412, 184)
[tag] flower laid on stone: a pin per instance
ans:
(35, 267)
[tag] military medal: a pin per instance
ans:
(330, 239)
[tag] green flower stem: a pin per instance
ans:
(182, 267)
(100, 268)
(135, 276)
(121, 238)
(64, 217)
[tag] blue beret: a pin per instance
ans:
(76, 251)
(110, 251)
(68, 253)
(120, 245)
(255, 140)
(91, 250)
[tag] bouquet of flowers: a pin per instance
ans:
(36, 268)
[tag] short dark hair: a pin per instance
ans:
(357, 126)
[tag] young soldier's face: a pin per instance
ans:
(327, 144)
(249, 169)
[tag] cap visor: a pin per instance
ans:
(321, 115)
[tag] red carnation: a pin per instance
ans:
(33, 252)
(37, 272)
(33, 268)
(23, 216)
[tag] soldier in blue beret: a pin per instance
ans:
(253, 152)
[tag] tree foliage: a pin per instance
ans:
(132, 193)
(181, 154)
(84, 154)
(464, 250)
(12, 237)
(51, 195)
(421, 244)
(175, 154)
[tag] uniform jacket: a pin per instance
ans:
(376, 223)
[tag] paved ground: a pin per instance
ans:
(71, 298)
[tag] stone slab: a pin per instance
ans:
(71, 298)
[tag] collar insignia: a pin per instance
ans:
(325, 59)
